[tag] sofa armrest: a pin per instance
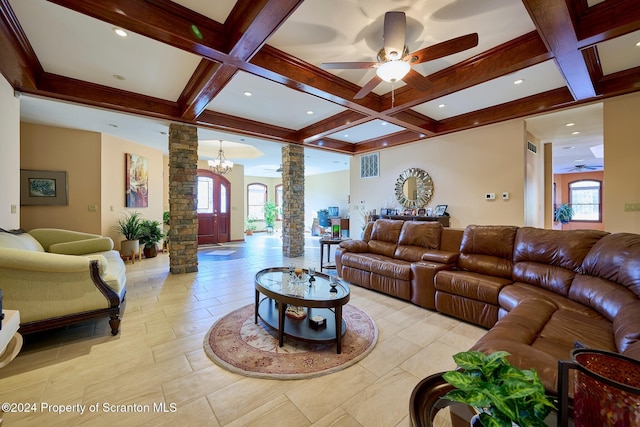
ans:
(442, 257)
(82, 247)
(354, 246)
(423, 291)
(51, 236)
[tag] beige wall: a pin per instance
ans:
(534, 184)
(76, 152)
(621, 160)
(324, 190)
(112, 164)
(464, 166)
(9, 157)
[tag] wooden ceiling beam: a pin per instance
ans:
(607, 20)
(330, 125)
(18, 62)
(556, 27)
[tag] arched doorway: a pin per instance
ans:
(213, 208)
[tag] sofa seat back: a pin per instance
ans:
(416, 238)
(610, 283)
(488, 250)
(19, 240)
(550, 259)
(384, 236)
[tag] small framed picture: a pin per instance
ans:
(422, 212)
(440, 210)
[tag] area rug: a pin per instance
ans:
(236, 343)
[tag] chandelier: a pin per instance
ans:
(220, 164)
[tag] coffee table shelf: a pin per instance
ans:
(299, 328)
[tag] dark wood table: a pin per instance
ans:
(316, 300)
(328, 241)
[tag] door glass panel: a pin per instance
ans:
(205, 194)
(223, 199)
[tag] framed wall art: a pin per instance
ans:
(136, 181)
(43, 188)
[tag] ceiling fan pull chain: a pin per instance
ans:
(393, 95)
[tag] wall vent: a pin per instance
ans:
(370, 165)
(532, 147)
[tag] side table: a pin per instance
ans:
(328, 241)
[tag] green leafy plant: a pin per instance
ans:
(500, 392)
(165, 217)
(251, 226)
(270, 213)
(564, 213)
(150, 233)
(129, 225)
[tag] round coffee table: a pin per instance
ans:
(316, 299)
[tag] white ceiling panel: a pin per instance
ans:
(620, 54)
(87, 49)
(366, 131)
(539, 78)
(271, 103)
(217, 10)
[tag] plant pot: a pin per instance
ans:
(130, 247)
(150, 251)
(249, 232)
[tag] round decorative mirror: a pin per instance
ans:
(414, 188)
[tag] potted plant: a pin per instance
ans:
(564, 213)
(166, 216)
(150, 236)
(251, 226)
(129, 227)
(270, 213)
(502, 394)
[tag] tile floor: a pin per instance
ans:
(158, 357)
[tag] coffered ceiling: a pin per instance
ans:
(195, 62)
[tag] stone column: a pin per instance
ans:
(293, 200)
(183, 204)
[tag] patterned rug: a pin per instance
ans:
(236, 343)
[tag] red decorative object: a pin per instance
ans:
(606, 389)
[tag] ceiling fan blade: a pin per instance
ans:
(417, 80)
(347, 65)
(394, 36)
(443, 49)
(371, 85)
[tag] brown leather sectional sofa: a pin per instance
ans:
(539, 292)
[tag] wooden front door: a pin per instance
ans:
(213, 208)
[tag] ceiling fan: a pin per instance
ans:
(394, 60)
(279, 170)
(583, 167)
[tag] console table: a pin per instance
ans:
(444, 219)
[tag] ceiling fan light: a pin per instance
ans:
(393, 71)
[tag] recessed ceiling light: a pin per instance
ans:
(113, 125)
(309, 112)
(579, 160)
(568, 148)
(519, 81)
(120, 32)
(575, 132)
(383, 123)
(346, 135)
(441, 106)
(638, 44)
(118, 77)
(247, 93)
(570, 124)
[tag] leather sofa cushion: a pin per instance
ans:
(559, 248)
(362, 261)
(488, 250)
(471, 285)
(354, 246)
(384, 237)
(626, 327)
(600, 294)
(550, 277)
(421, 233)
(616, 257)
(566, 326)
(393, 268)
(512, 295)
(409, 253)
